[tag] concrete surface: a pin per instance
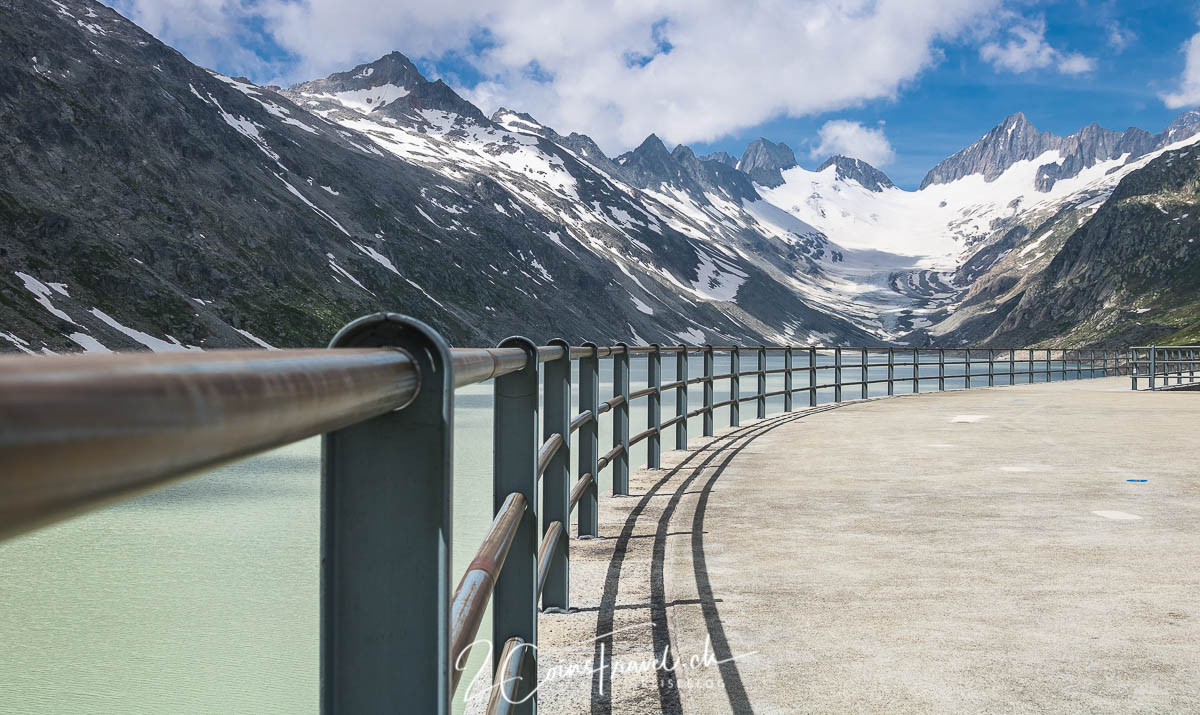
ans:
(961, 551)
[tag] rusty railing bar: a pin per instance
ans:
(580, 487)
(475, 588)
(508, 678)
(547, 451)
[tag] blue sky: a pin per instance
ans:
(952, 105)
(903, 83)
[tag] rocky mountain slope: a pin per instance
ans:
(150, 203)
(1128, 274)
(1016, 139)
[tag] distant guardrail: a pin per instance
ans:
(78, 432)
(1153, 367)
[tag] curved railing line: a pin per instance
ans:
(77, 432)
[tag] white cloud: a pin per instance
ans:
(1026, 49)
(852, 139)
(1119, 37)
(600, 65)
(1189, 83)
(1075, 63)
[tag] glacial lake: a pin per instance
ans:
(202, 597)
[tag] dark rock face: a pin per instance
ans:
(858, 170)
(764, 161)
(391, 85)
(651, 166)
(581, 144)
(392, 69)
(1184, 126)
(149, 203)
(1129, 275)
(721, 157)
(1017, 140)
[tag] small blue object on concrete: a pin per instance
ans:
(1135, 480)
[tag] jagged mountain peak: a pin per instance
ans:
(1016, 139)
(651, 144)
(764, 161)
(849, 168)
(391, 85)
(1183, 126)
(518, 121)
(683, 152)
(721, 157)
(392, 69)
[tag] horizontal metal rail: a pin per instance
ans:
(642, 393)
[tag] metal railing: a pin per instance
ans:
(77, 432)
(1158, 365)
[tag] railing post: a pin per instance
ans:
(1049, 365)
(386, 496)
(681, 397)
(620, 467)
(735, 367)
(1153, 366)
(941, 368)
(837, 374)
(1091, 363)
(654, 406)
(515, 446)
(787, 380)
(556, 480)
(812, 377)
(589, 440)
(891, 371)
(1012, 366)
(916, 367)
(967, 367)
(1030, 366)
(991, 368)
(708, 391)
(865, 360)
(762, 382)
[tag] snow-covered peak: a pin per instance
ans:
(851, 169)
(518, 122)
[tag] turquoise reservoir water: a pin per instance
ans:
(202, 597)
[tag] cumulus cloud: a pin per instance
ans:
(1026, 49)
(689, 70)
(852, 139)
(1189, 83)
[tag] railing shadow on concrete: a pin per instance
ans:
(79, 432)
(1153, 367)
